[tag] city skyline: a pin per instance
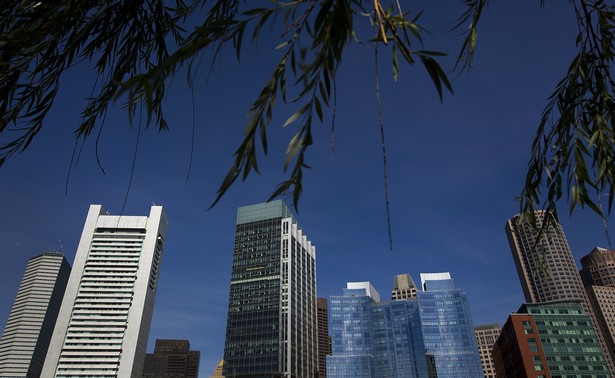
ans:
(454, 171)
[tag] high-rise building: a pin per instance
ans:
(430, 336)
(172, 358)
(546, 266)
(403, 287)
(447, 327)
(105, 317)
(372, 338)
(486, 335)
(598, 275)
(30, 325)
(551, 339)
(271, 329)
(324, 341)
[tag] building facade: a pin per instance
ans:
(403, 287)
(374, 339)
(106, 312)
(486, 335)
(28, 330)
(546, 266)
(552, 339)
(324, 341)
(598, 275)
(430, 336)
(544, 262)
(172, 358)
(271, 327)
(447, 327)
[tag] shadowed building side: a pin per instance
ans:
(28, 331)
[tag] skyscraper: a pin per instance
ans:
(324, 341)
(546, 267)
(447, 327)
(172, 358)
(28, 330)
(271, 329)
(430, 336)
(598, 275)
(104, 320)
(374, 339)
(486, 336)
(403, 287)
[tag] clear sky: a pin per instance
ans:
(454, 171)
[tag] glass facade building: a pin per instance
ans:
(427, 337)
(447, 326)
(271, 326)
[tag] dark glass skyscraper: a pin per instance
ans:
(271, 329)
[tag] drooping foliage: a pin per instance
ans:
(135, 47)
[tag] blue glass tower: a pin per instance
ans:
(374, 339)
(447, 327)
(431, 336)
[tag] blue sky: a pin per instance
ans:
(454, 171)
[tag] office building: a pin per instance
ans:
(551, 339)
(403, 287)
(546, 266)
(374, 339)
(271, 328)
(486, 335)
(104, 320)
(431, 336)
(447, 326)
(598, 275)
(172, 358)
(26, 337)
(324, 341)
(544, 262)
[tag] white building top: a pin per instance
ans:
(434, 277)
(369, 289)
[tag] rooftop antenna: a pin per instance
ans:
(59, 247)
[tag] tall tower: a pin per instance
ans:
(598, 275)
(28, 330)
(104, 320)
(271, 329)
(403, 287)
(324, 340)
(448, 328)
(546, 267)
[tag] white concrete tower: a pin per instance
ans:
(105, 317)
